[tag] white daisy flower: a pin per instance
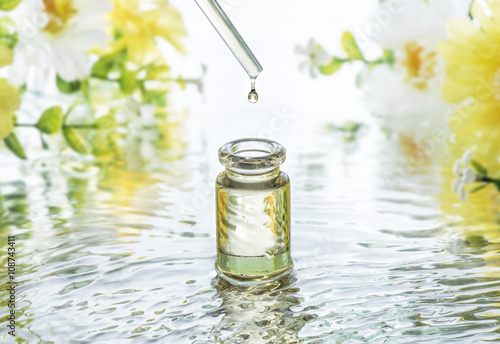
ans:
(465, 175)
(317, 57)
(407, 96)
(55, 36)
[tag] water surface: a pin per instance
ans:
(130, 255)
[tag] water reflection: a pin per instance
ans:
(259, 314)
(374, 263)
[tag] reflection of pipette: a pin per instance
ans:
(233, 39)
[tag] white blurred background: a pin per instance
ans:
(272, 29)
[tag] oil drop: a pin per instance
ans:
(253, 97)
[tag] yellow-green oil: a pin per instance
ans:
(253, 225)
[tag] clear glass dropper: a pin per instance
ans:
(231, 36)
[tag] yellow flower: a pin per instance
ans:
(137, 29)
(484, 204)
(6, 56)
(473, 68)
(10, 100)
(473, 82)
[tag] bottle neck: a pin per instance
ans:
(254, 177)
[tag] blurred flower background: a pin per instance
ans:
(435, 83)
(111, 114)
(99, 79)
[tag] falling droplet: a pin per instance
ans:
(253, 97)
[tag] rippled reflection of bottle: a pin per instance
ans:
(253, 211)
(259, 314)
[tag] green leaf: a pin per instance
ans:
(182, 83)
(51, 120)
(15, 146)
(8, 5)
(478, 188)
(8, 33)
(479, 169)
(476, 241)
(103, 66)
(75, 140)
(156, 72)
(389, 57)
(350, 47)
(106, 123)
(128, 81)
(118, 34)
(332, 67)
(67, 86)
(387, 131)
(108, 63)
(156, 98)
(23, 88)
(352, 127)
(497, 185)
(350, 130)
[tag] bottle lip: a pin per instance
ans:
(252, 155)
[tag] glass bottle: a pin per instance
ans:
(253, 211)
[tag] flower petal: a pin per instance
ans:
(300, 50)
(148, 113)
(10, 100)
(6, 124)
(462, 193)
(457, 168)
(468, 176)
(466, 157)
(455, 184)
(6, 56)
(321, 58)
(303, 65)
(313, 71)
(311, 45)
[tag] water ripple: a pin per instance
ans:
(131, 257)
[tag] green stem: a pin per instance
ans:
(487, 179)
(77, 126)
(188, 81)
(103, 78)
(493, 181)
(81, 126)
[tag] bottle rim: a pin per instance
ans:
(252, 155)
